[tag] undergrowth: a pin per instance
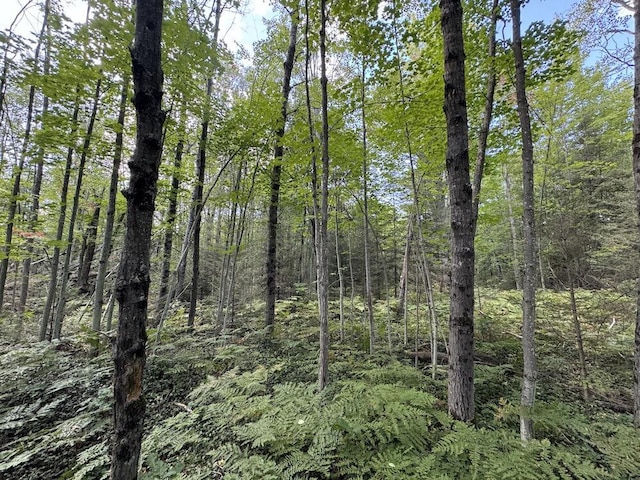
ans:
(244, 406)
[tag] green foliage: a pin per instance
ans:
(245, 407)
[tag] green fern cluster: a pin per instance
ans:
(376, 421)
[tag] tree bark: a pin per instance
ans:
(460, 386)
(636, 177)
(98, 298)
(320, 205)
(276, 172)
(512, 228)
(132, 286)
(530, 373)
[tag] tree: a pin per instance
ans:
(17, 171)
(276, 173)
(132, 286)
(460, 386)
(636, 177)
(322, 221)
(530, 373)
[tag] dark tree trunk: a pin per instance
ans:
(98, 298)
(170, 221)
(276, 171)
(132, 286)
(460, 390)
(198, 205)
(89, 250)
(636, 177)
(530, 373)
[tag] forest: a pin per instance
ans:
(388, 239)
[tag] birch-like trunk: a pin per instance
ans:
(530, 372)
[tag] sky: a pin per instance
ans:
(246, 27)
(237, 28)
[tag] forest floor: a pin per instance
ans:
(242, 405)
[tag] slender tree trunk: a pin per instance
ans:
(62, 300)
(323, 254)
(320, 205)
(225, 268)
(170, 221)
(229, 314)
(584, 379)
(422, 265)
(37, 181)
(352, 280)
(132, 286)
(483, 135)
(512, 228)
(17, 172)
(530, 373)
(461, 391)
(404, 273)
(90, 249)
(55, 259)
(276, 172)
(339, 268)
(98, 298)
(198, 206)
(365, 175)
(636, 177)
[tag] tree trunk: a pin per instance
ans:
(365, 212)
(530, 373)
(483, 135)
(512, 228)
(17, 172)
(37, 182)
(170, 221)
(98, 298)
(460, 389)
(636, 177)
(197, 205)
(62, 300)
(339, 269)
(55, 259)
(132, 286)
(584, 379)
(320, 205)
(90, 249)
(276, 171)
